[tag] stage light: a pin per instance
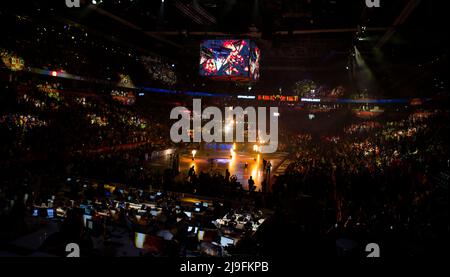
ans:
(228, 128)
(276, 114)
(255, 172)
(54, 73)
(94, 2)
(139, 238)
(193, 154)
(255, 147)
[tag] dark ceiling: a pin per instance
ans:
(298, 38)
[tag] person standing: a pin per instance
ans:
(227, 175)
(191, 173)
(251, 184)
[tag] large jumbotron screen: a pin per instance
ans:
(236, 59)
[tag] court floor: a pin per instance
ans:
(219, 161)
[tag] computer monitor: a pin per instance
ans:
(139, 240)
(154, 212)
(226, 241)
(189, 214)
(192, 229)
(200, 235)
(205, 204)
(86, 208)
(86, 217)
(197, 210)
(50, 213)
(141, 211)
(60, 212)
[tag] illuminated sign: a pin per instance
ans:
(246, 97)
(310, 100)
(281, 98)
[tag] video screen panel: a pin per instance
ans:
(255, 57)
(230, 58)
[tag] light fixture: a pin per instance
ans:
(255, 148)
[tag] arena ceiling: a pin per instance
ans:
(298, 38)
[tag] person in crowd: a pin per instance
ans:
(251, 184)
